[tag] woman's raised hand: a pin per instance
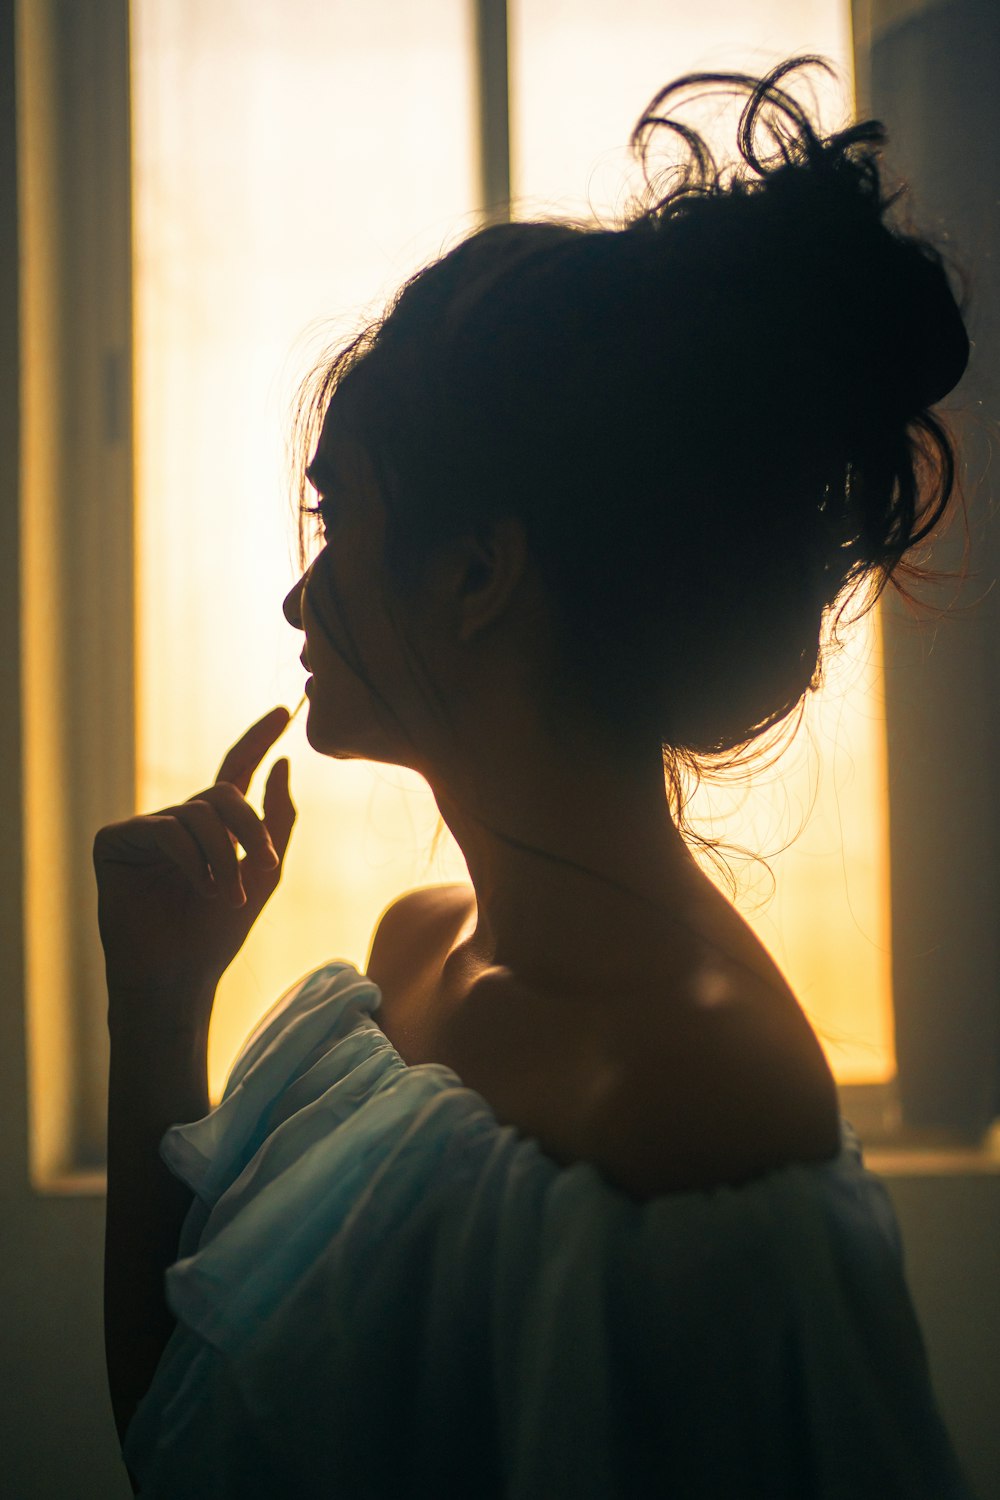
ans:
(175, 902)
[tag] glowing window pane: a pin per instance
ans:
(293, 162)
(581, 70)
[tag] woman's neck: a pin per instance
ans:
(573, 856)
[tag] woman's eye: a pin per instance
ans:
(322, 510)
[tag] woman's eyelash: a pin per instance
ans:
(322, 510)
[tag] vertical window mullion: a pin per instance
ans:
(492, 74)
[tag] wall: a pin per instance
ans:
(931, 77)
(57, 1437)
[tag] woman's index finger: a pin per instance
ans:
(243, 758)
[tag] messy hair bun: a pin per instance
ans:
(713, 420)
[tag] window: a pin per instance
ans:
(268, 192)
(293, 164)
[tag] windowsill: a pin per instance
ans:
(83, 1184)
(891, 1148)
(921, 1155)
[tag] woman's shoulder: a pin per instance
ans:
(740, 1089)
(426, 903)
(415, 930)
(741, 1095)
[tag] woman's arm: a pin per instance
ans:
(175, 903)
(158, 1078)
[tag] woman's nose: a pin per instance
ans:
(292, 606)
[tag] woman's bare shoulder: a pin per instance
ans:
(740, 1090)
(414, 927)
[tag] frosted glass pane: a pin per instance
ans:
(581, 72)
(294, 162)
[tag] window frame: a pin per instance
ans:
(77, 550)
(942, 717)
(79, 591)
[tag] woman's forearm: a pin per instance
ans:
(158, 1078)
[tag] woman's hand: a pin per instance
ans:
(174, 900)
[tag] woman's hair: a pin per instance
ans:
(712, 421)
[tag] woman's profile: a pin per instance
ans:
(555, 1198)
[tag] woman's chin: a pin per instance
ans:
(336, 745)
(343, 741)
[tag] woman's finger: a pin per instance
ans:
(279, 809)
(241, 821)
(279, 814)
(216, 844)
(246, 755)
(174, 840)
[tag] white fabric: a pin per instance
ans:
(381, 1291)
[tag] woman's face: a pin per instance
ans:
(340, 605)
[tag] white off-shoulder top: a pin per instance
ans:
(381, 1291)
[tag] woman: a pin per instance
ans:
(555, 1199)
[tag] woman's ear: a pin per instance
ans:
(486, 570)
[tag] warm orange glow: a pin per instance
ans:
(825, 915)
(297, 168)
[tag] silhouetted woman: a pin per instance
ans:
(555, 1199)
